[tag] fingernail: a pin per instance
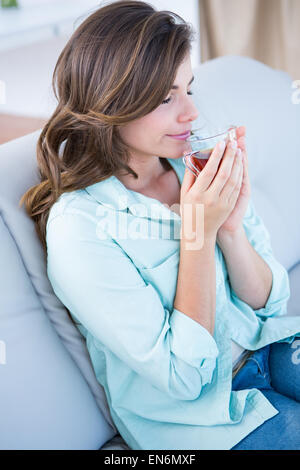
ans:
(222, 145)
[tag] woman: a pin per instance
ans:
(170, 278)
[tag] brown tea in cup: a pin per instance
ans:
(202, 148)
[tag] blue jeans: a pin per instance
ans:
(275, 371)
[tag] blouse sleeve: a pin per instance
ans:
(100, 285)
(259, 238)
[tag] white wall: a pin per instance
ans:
(189, 11)
(27, 71)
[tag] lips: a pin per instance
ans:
(183, 135)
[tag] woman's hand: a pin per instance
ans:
(211, 195)
(234, 222)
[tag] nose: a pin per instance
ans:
(190, 112)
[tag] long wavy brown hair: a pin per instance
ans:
(118, 65)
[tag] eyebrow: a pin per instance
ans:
(175, 87)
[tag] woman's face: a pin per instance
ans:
(150, 135)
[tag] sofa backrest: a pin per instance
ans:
(242, 91)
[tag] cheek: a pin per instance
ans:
(157, 123)
(130, 134)
(150, 129)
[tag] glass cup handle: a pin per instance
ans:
(189, 164)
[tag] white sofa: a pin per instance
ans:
(49, 395)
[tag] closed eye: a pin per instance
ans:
(169, 99)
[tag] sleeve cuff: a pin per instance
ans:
(276, 304)
(190, 341)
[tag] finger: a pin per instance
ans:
(240, 131)
(188, 179)
(208, 173)
(246, 167)
(246, 159)
(225, 169)
(233, 196)
(242, 143)
(245, 173)
(234, 179)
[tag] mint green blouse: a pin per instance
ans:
(113, 258)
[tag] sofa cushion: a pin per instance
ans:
(45, 402)
(16, 155)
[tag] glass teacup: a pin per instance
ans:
(202, 147)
